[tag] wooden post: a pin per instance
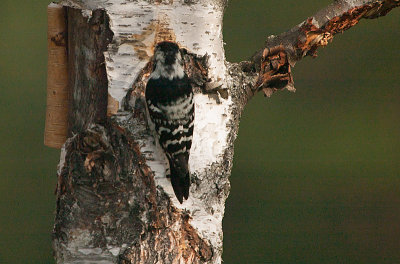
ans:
(56, 127)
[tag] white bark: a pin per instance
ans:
(137, 27)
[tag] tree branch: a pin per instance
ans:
(273, 63)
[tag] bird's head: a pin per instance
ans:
(168, 62)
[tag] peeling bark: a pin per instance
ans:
(114, 202)
(280, 54)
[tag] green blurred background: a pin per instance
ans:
(316, 173)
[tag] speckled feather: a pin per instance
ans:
(169, 98)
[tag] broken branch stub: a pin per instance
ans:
(275, 72)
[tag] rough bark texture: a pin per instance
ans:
(280, 54)
(114, 203)
(87, 41)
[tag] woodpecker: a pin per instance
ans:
(169, 98)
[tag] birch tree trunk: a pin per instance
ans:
(114, 201)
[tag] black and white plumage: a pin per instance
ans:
(169, 98)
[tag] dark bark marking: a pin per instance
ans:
(60, 39)
(87, 71)
(202, 249)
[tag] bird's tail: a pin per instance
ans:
(180, 176)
